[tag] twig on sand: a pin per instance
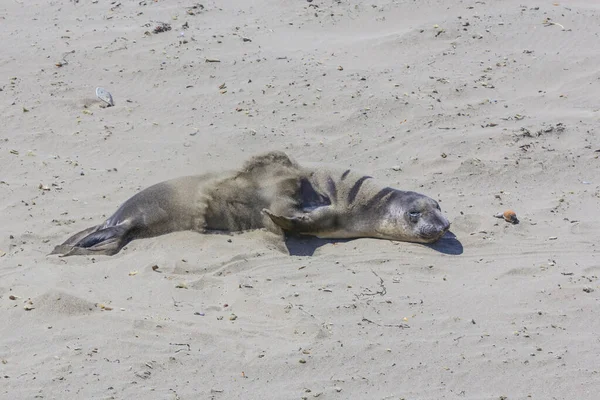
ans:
(381, 292)
(181, 344)
(63, 59)
(403, 326)
(305, 312)
(548, 22)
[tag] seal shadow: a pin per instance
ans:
(306, 246)
(448, 244)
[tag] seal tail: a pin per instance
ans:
(94, 240)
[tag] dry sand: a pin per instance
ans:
(483, 105)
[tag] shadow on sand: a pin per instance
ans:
(448, 244)
(307, 245)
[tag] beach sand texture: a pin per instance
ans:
(484, 106)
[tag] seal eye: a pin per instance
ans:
(414, 216)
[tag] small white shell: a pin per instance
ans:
(105, 96)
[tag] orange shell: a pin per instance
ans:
(510, 216)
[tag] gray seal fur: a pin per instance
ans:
(272, 192)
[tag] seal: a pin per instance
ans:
(269, 192)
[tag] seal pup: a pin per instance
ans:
(273, 192)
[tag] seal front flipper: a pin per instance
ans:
(314, 222)
(95, 240)
(296, 223)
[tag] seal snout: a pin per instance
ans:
(446, 225)
(435, 229)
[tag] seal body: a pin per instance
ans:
(273, 192)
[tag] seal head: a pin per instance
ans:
(411, 217)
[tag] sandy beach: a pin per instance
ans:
(483, 106)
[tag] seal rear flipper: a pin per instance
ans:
(73, 240)
(107, 241)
